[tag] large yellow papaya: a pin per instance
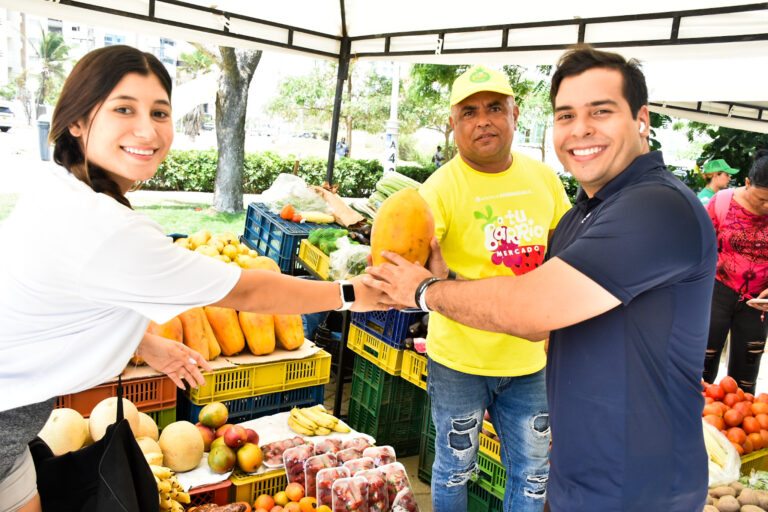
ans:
(214, 349)
(404, 224)
(259, 330)
(289, 331)
(195, 335)
(226, 328)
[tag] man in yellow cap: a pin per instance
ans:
(494, 210)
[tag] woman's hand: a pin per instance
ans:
(174, 359)
(763, 306)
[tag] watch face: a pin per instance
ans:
(348, 292)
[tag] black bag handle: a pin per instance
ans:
(119, 399)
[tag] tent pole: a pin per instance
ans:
(340, 78)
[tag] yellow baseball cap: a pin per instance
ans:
(477, 79)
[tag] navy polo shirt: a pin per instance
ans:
(624, 388)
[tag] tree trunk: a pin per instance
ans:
(349, 118)
(238, 67)
(544, 144)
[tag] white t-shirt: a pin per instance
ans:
(80, 275)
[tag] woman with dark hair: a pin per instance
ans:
(73, 316)
(740, 217)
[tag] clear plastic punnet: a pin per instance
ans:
(381, 455)
(378, 495)
(349, 454)
(328, 446)
(396, 478)
(314, 464)
(350, 494)
(360, 464)
(325, 479)
(359, 443)
(293, 460)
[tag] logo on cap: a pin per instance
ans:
(479, 76)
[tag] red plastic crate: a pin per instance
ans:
(217, 493)
(148, 394)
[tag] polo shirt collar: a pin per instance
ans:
(631, 174)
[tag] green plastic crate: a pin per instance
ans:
(163, 417)
(492, 472)
(386, 407)
(480, 499)
(427, 444)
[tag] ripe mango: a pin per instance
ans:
(404, 224)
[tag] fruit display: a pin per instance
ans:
(389, 184)
(273, 452)
(737, 497)
(65, 430)
(171, 493)
(105, 414)
(358, 443)
(348, 455)
(314, 421)
(360, 464)
(381, 455)
(328, 445)
(404, 225)
(350, 494)
(239, 506)
(740, 416)
(226, 327)
(405, 501)
(198, 334)
(397, 480)
(182, 446)
(325, 479)
(293, 460)
(378, 494)
(314, 464)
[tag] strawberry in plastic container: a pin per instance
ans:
(359, 464)
(378, 495)
(293, 459)
(381, 455)
(273, 452)
(396, 478)
(314, 464)
(358, 443)
(328, 446)
(349, 454)
(350, 494)
(325, 479)
(405, 501)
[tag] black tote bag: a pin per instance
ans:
(110, 474)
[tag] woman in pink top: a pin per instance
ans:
(742, 274)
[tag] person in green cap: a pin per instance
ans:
(718, 174)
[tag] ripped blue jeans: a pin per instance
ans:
(518, 409)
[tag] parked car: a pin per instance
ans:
(7, 117)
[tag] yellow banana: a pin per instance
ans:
(161, 472)
(340, 427)
(302, 419)
(299, 429)
(322, 420)
(322, 431)
(183, 497)
(164, 487)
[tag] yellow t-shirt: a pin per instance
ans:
(491, 225)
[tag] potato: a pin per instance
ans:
(728, 504)
(748, 497)
(710, 500)
(710, 508)
(737, 486)
(762, 498)
(751, 508)
(723, 490)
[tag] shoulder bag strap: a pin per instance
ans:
(120, 415)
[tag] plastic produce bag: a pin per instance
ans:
(290, 189)
(724, 460)
(348, 259)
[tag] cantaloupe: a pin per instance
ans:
(105, 414)
(66, 430)
(182, 446)
(404, 225)
(151, 450)
(147, 427)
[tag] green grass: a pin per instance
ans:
(188, 218)
(178, 217)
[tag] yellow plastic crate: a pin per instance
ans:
(314, 258)
(757, 460)
(257, 379)
(489, 446)
(414, 368)
(375, 350)
(247, 487)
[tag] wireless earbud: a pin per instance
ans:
(642, 127)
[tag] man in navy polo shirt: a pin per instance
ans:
(624, 296)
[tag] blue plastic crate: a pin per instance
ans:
(273, 236)
(389, 326)
(244, 409)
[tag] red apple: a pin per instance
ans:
(208, 435)
(220, 431)
(235, 436)
(253, 437)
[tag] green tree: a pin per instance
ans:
(53, 54)
(192, 65)
(737, 147)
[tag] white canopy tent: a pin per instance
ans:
(705, 59)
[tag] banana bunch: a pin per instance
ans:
(170, 491)
(314, 421)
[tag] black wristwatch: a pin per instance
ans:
(347, 291)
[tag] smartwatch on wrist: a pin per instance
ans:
(347, 292)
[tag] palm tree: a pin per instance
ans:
(53, 54)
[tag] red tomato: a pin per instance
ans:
(750, 425)
(762, 397)
(287, 212)
(747, 446)
(711, 409)
(730, 399)
(736, 435)
(739, 448)
(740, 394)
(759, 408)
(296, 217)
(757, 440)
(744, 408)
(715, 391)
(762, 419)
(733, 418)
(728, 384)
(708, 399)
(749, 397)
(715, 421)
